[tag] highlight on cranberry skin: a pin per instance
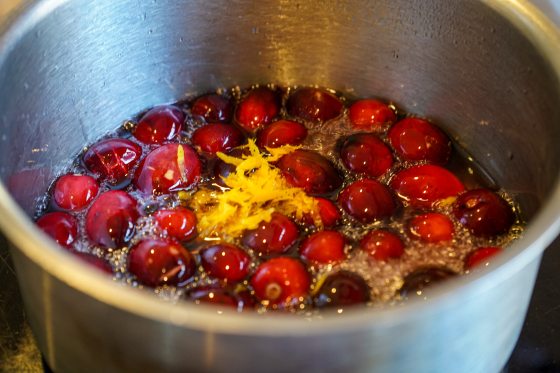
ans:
(367, 200)
(112, 159)
(323, 247)
(481, 256)
(157, 262)
(273, 237)
(341, 289)
(217, 137)
(74, 192)
(160, 124)
(60, 226)
(179, 222)
(281, 282)
(382, 245)
(225, 262)
(432, 227)
(213, 108)
(280, 133)
(370, 114)
(314, 105)
(365, 153)
(259, 107)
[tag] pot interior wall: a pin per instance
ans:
(80, 71)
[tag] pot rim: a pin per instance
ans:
(62, 265)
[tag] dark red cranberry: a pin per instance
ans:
(111, 219)
(179, 223)
(74, 192)
(96, 262)
(323, 247)
(367, 200)
(257, 108)
(310, 171)
(169, 168)
(364, 153)
(281, 281)
(113, 159)
(370, 114)
(328, 213)
(422, 186)
(420, 279)
(314, 104)
(225, 262)
(481, 256)
(157, 262)
(280, 133)
(217, 137)
(340, 289)
(213, 295)
(60, 226)
(213, 108)
(483, 212)
(416, 139)
(381, 244)
(160, 124)
(273, 237)
(222, 169)
(432, 227)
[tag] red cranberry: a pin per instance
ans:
(225, 262)
(483, 212)
(280, 133)
(96, 262)
(481, 256)
(74, 192)
(367, 200)
(222, 169)
(213, 108)
(364, 153)
(310, 171)
(60, 226)
(369, 114)
(273, 237)
(111, 219)
(217, 137)
(323, 247)
(422, 278)
(169, 168)
(160, 124)
(416, 139)
(157, 262)
(423, 185)
(113, 159)
(217, 295)
(432, 227)
(382, 245)
(314, 104)
(257, 108)
(179, 223)
(281, 281)
(341, 289)
(328, 213)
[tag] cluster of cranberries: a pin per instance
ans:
(384, 164)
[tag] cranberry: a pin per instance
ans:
(157, 262)
(281, 281)
(328, 213)
(481, 255)
(323, 247)
(222, 169)
(213, 108)
(370, 114)
(111, 218)
(273, 237)
(218, 295)
(225, 262)
(483, 212)
(416, 139)
(341, 289)
(179, 223)
(169, 168)
(160, 124)
(310, 171)
(257, 108)
(217, 137)
(74, 192)
(367, 200)
(113, 159)
(364, 153)
(381, 244)
(314, 104)
(282, 132)
(96, 262)
(423, 185)
(60, 226)
(420, 279)
(432, 227)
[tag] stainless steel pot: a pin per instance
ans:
(70, 71)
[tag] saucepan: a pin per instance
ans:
(71, 70)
